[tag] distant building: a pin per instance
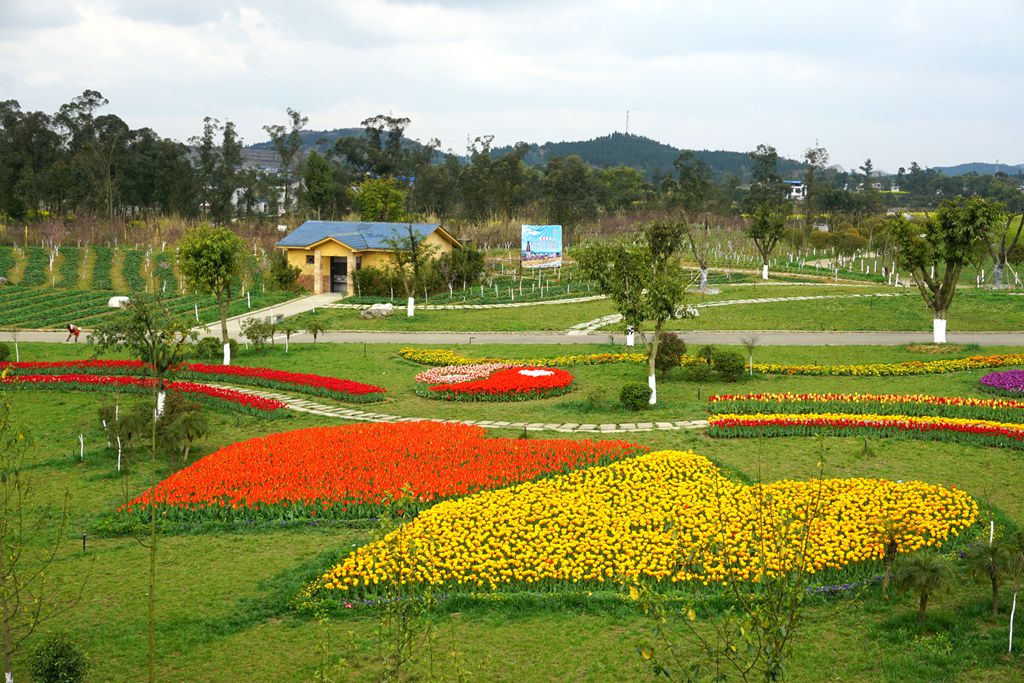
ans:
(328, 252)
(797, 189)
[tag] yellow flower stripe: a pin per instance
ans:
(910, 367)
(905, 368)
(874, 420)
(644, 517)
(446, 357)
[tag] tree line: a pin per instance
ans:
(80, 161)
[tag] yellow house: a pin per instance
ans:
(327, 252)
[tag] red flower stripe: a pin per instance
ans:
(220, 395)
(938, 428)
(350, 471)
(342, 389)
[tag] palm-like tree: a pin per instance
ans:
(988, 561)
(923, 573)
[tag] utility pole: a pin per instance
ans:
(627, 122)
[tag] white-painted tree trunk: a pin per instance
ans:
(939, 331)
(654, 389)
(161, 398)
(703, 279)
(119, 454)
(764, 271)
(17, 353)
(1013, 611)
(410, 307)
(227, 354)
(630, 339)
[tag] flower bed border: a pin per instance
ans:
(215, 397)
(316, 385)
(980, 432)
(909, 405)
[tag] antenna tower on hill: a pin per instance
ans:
(627, 122)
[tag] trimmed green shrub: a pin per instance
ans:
(58, 660)
(670, 349)
(698, 372)
(258, 332)
(213, 348)
(635, 396)
(729, 365)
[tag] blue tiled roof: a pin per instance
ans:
(357, 235)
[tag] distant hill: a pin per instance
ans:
(981, 168)
(654, 158)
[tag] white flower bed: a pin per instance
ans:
(451, 374)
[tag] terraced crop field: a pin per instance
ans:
(35, 303)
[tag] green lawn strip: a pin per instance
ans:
(547, 317)
(220, 597)
(971, 311)
(594, 398)
(118, 282)
(85, 268)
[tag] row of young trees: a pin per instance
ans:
(80, 160)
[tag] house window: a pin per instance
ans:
(309, 260)
(359, 262)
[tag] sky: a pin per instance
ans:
(932, 81)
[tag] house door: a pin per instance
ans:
(339, 274)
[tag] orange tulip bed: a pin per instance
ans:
(353, 471)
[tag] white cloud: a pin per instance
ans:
(936, 82)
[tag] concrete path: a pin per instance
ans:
(598, 323)
(287, 309)
(726, 337)
(303, 405)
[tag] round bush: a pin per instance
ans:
(728, 364)
(670, 349)
(698, 372)
(212, 348)
(5, 351)
(57, 660)
(634, 395)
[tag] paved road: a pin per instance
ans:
(766, 338)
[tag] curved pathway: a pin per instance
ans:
(598, 323)
(303, 405)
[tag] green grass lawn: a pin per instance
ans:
(222, 612)
(971, 311)
(221, 597)
(548, 318)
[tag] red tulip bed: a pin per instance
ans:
(919, 405)
(981, 432)
(354, 471)
(216, 397)
(317, 385)
(516, 383)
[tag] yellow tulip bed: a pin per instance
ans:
(446, 357)
(905, 368)
(666, 516)
(902, 369)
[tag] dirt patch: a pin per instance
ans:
(935, 348)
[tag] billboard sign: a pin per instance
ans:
(541, 246)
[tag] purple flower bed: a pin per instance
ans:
(1008, 382)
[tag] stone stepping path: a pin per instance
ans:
(598, 323)
(303, 405)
